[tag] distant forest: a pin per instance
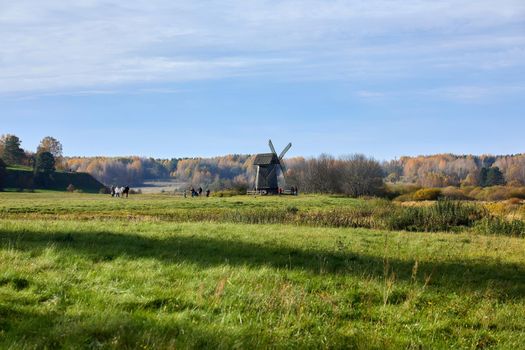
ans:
(353, 174)
(440, 170)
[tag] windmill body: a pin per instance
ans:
(268, 166)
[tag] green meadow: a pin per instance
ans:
(162, 272)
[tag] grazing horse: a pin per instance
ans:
(119, 191)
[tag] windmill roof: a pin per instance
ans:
(265, 159)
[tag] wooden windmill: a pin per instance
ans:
(268, 165)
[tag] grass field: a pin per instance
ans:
(90, 271)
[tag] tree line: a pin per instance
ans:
(353, 175)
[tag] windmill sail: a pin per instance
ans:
(285, 150)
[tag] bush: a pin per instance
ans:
(454, 193)
(497, 193)
(514, 201)
(404, 198)
(401, 192)
(427, 194)
(517, 192)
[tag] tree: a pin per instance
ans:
(12, 153)
(361, 176)
(483, 176)
(494, 177)
(44, 163)
(51, 145)
(3, 174)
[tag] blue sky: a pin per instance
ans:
(184, 78)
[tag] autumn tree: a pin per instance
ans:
(12, 153)
(53, 146)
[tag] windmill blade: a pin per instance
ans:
(285, 150)
(283, 170)
(283, 167)
(271, 147)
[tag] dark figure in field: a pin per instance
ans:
(184, 193)
(112, 191)
(126, 191)
(193, 192)
(207, 193)
(200, 190)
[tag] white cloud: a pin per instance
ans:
(94, 45)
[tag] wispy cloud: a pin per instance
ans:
(98, 45)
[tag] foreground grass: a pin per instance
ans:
(155, 284)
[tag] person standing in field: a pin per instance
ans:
(207, 193)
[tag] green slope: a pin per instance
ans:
(23, 178)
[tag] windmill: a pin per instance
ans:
(267, 167)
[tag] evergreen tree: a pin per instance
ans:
(44, 166)
(44, 163)
(12, 153)
(483, 177)
(494, 177)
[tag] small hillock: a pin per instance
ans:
(24, 178)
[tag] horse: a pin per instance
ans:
(119, 191)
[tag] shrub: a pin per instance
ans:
(454, 193)
(514, 201)
(404, 197)
(517, 192)
(427, 194)
(497, 193)
(401, 192)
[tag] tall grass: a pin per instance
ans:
(319, 211)
(443, 215)
(495, 225)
